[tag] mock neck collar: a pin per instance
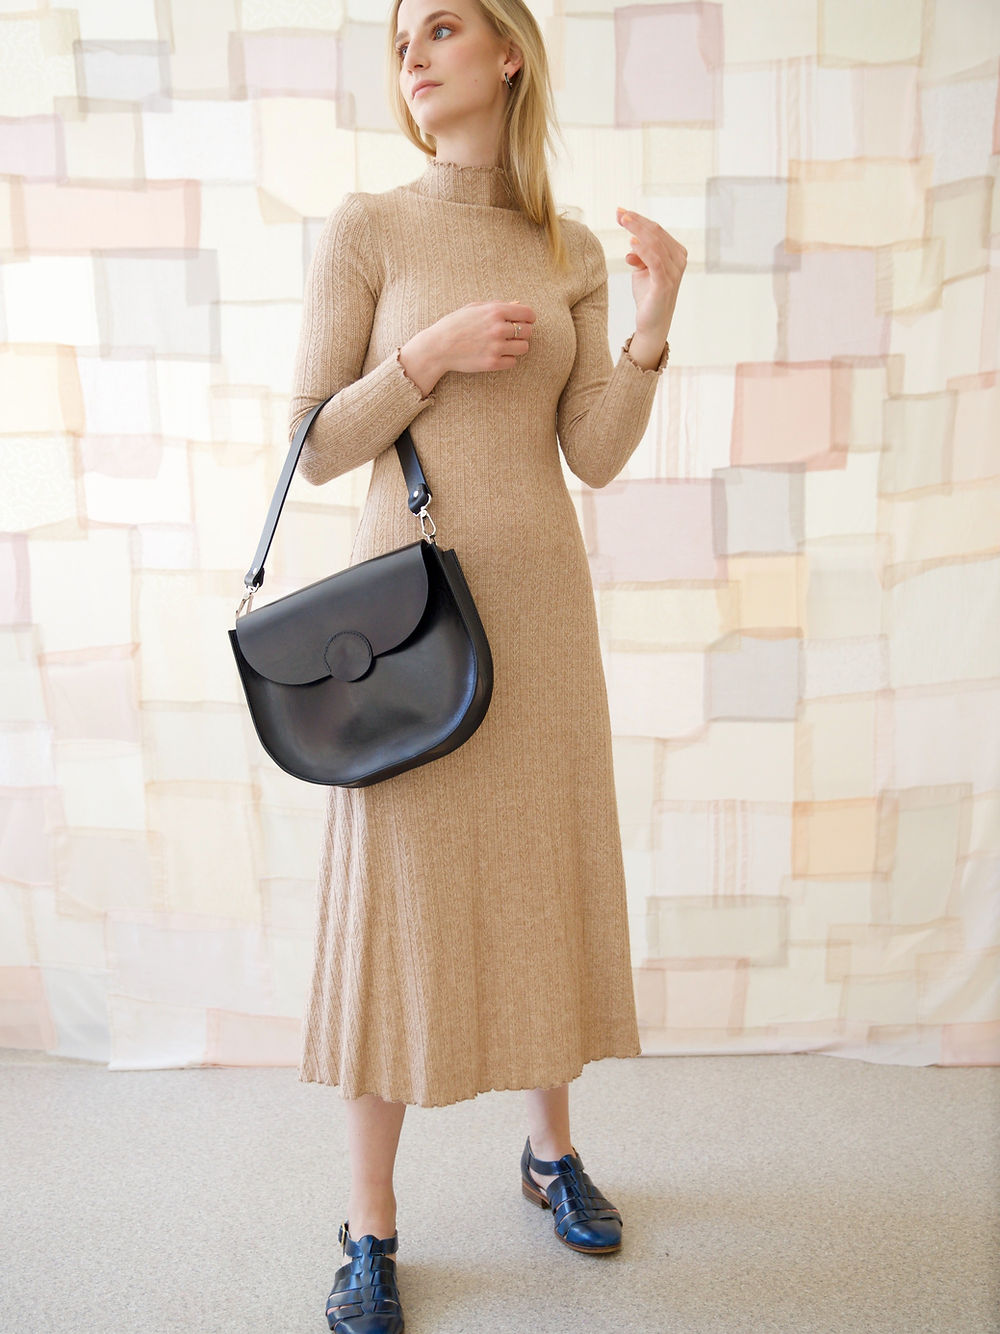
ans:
(489, 186)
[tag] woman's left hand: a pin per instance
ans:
(658, 263)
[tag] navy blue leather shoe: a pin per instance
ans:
(583, 1218)
(364, 1298)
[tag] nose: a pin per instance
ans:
(412, 60)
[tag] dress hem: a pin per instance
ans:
(465, 1097)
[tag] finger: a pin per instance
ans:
(654, 251)
(646, 230)
(634, 221)
(636, 253)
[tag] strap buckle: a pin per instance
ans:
(246, 602)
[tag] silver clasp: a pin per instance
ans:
(247, 602)
(426, 519)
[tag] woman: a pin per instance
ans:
(472, 928)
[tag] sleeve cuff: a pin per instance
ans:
(647, 370)
(415, 389)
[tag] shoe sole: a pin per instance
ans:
(537, 1197)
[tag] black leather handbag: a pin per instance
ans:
(372, 671)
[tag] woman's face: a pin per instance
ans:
(456, 51)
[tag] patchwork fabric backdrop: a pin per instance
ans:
(798, 575)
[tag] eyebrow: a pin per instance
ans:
(438, 14)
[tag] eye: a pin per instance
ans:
(401, 48)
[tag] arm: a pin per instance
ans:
(369, 411)
(604, 408)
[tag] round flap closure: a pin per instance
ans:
(303, 637)
(348, 655)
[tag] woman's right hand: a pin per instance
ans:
(475, 337)
(480, 336)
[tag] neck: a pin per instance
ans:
(473, 142)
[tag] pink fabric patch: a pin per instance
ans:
(667, 62)
(649, 530)
(784, 414)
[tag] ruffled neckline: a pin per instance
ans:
(486, 186)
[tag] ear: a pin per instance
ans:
(514, 55)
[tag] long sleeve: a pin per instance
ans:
(369, 411)
(604, 408)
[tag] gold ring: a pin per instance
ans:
(517, 331)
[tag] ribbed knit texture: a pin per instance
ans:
(471, 929)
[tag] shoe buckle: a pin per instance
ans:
(341, 1233)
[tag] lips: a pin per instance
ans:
(421, 86)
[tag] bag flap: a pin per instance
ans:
(373, 606)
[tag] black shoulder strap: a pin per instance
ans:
(418, 493)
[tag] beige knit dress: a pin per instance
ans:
(471, 929)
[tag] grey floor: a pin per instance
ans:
(788, 1193)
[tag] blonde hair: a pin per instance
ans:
(528, 120)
